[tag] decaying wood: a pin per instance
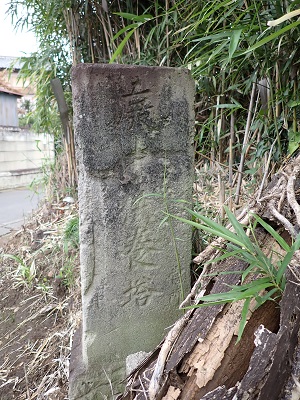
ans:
(158, 373)
(200, 358)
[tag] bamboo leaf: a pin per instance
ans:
(229, 106)
(243, 318)
(134, 17)
(249, 270)
(226, 255)
(125, 29)
(253, 284)
(234, 41)
(212, 38)
(260, 300)
(273, 233)
(121, 46)
(227, 297)
(287, 259)
(272, 37)
(216, 232)
(237, 293)
(293, 103)
(218, 228)
(239, 229)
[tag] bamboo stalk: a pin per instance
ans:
(245, 142)
(221, 195)
(277, 79)
(295, 109)
(137, 35)
(231, 143)
(105, 32)
(212, 142)
(167, 32)
(129, 50)
(266, 171)
(90, 44)
(272, 112)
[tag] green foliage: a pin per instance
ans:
(44, 287)
(52, 60)
(25, 119)
(39, 69)
(25, 273)
(71, 234)
(266, 273)
(67, 273)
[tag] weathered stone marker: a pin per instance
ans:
(134, 133)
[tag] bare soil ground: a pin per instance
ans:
(39, 306)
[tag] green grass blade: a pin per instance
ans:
(226, 255)
(232, 295)
(165, 219)
(260, 300)
(238, 292)
(243, 319)
(273, 233)
(223, 273)
(253, 291)
(225, 234)
(254, 283)
(287, 259)
(219, 229)
(145, 196)
(211, 303)
(14, 258)
(247, 271)
(263, 262)
(239, 229)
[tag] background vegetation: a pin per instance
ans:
(246, 72)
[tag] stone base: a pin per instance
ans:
(92, 384)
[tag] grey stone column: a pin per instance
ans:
(134, 128)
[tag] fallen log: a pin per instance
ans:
(200, 357)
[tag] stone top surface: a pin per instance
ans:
(113, 67)
(124, 111)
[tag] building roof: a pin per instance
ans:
(6, 88)
(7, 62)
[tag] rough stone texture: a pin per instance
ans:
(134, 135)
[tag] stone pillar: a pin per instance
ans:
(134, 128)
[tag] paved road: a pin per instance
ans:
(15, 205)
